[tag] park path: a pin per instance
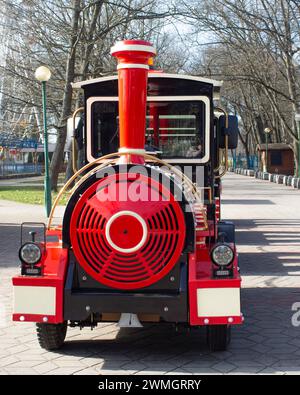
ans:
(267, 217)
(35, 181)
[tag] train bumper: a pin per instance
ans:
(170, 306)
(213, 301)
(40, 298)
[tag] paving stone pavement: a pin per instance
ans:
(267, 217)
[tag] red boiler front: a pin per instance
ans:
(127, 234)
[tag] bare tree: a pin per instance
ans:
(257, 54)
(73, 37)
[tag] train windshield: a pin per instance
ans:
(178, 129)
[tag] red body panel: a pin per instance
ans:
(218, 208)
(200, 276)
(54, 272)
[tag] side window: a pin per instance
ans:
(104, 128)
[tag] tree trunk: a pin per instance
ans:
(296, 157)
(247, 152)
(58, 154)
(83, 73)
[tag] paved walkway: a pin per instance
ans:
(268, 225)
(35, 181)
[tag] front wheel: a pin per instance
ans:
(218, 337)
(51, 336)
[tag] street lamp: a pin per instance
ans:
(297, 118)
(267, 131)
(43, 74)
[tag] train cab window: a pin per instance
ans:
(178, 129)
(104, 128)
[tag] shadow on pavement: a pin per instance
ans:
(9, 245)
(266, 339)
(277, 247)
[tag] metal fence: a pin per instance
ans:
(9, 169)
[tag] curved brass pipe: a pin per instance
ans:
(226, 160)
(74, 157)
(116, 156)
(225, 113)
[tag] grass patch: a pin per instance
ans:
(27, 194)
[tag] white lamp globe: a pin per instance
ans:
(43, 74)
(268, 130)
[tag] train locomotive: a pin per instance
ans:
(141, 238)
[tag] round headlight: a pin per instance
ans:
(222, 255)
(30, 253)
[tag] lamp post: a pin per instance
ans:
(43, 74)
(297, 118)
(267, 133)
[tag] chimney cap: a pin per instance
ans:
(133, 45)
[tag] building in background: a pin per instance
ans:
(280, 158)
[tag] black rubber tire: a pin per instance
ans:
(51, 336)
(218, 337)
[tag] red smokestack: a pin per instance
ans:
(133, 57)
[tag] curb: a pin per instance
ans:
(21, 175)
(289, 181)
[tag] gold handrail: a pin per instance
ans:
(116, 156)
(74, 158)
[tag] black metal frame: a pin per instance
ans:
(169, 303)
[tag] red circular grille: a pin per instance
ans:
(153, 206)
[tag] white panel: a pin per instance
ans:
(132, 66)
(80, 84)
(120, 46)
(34, 300)
(218, 302)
